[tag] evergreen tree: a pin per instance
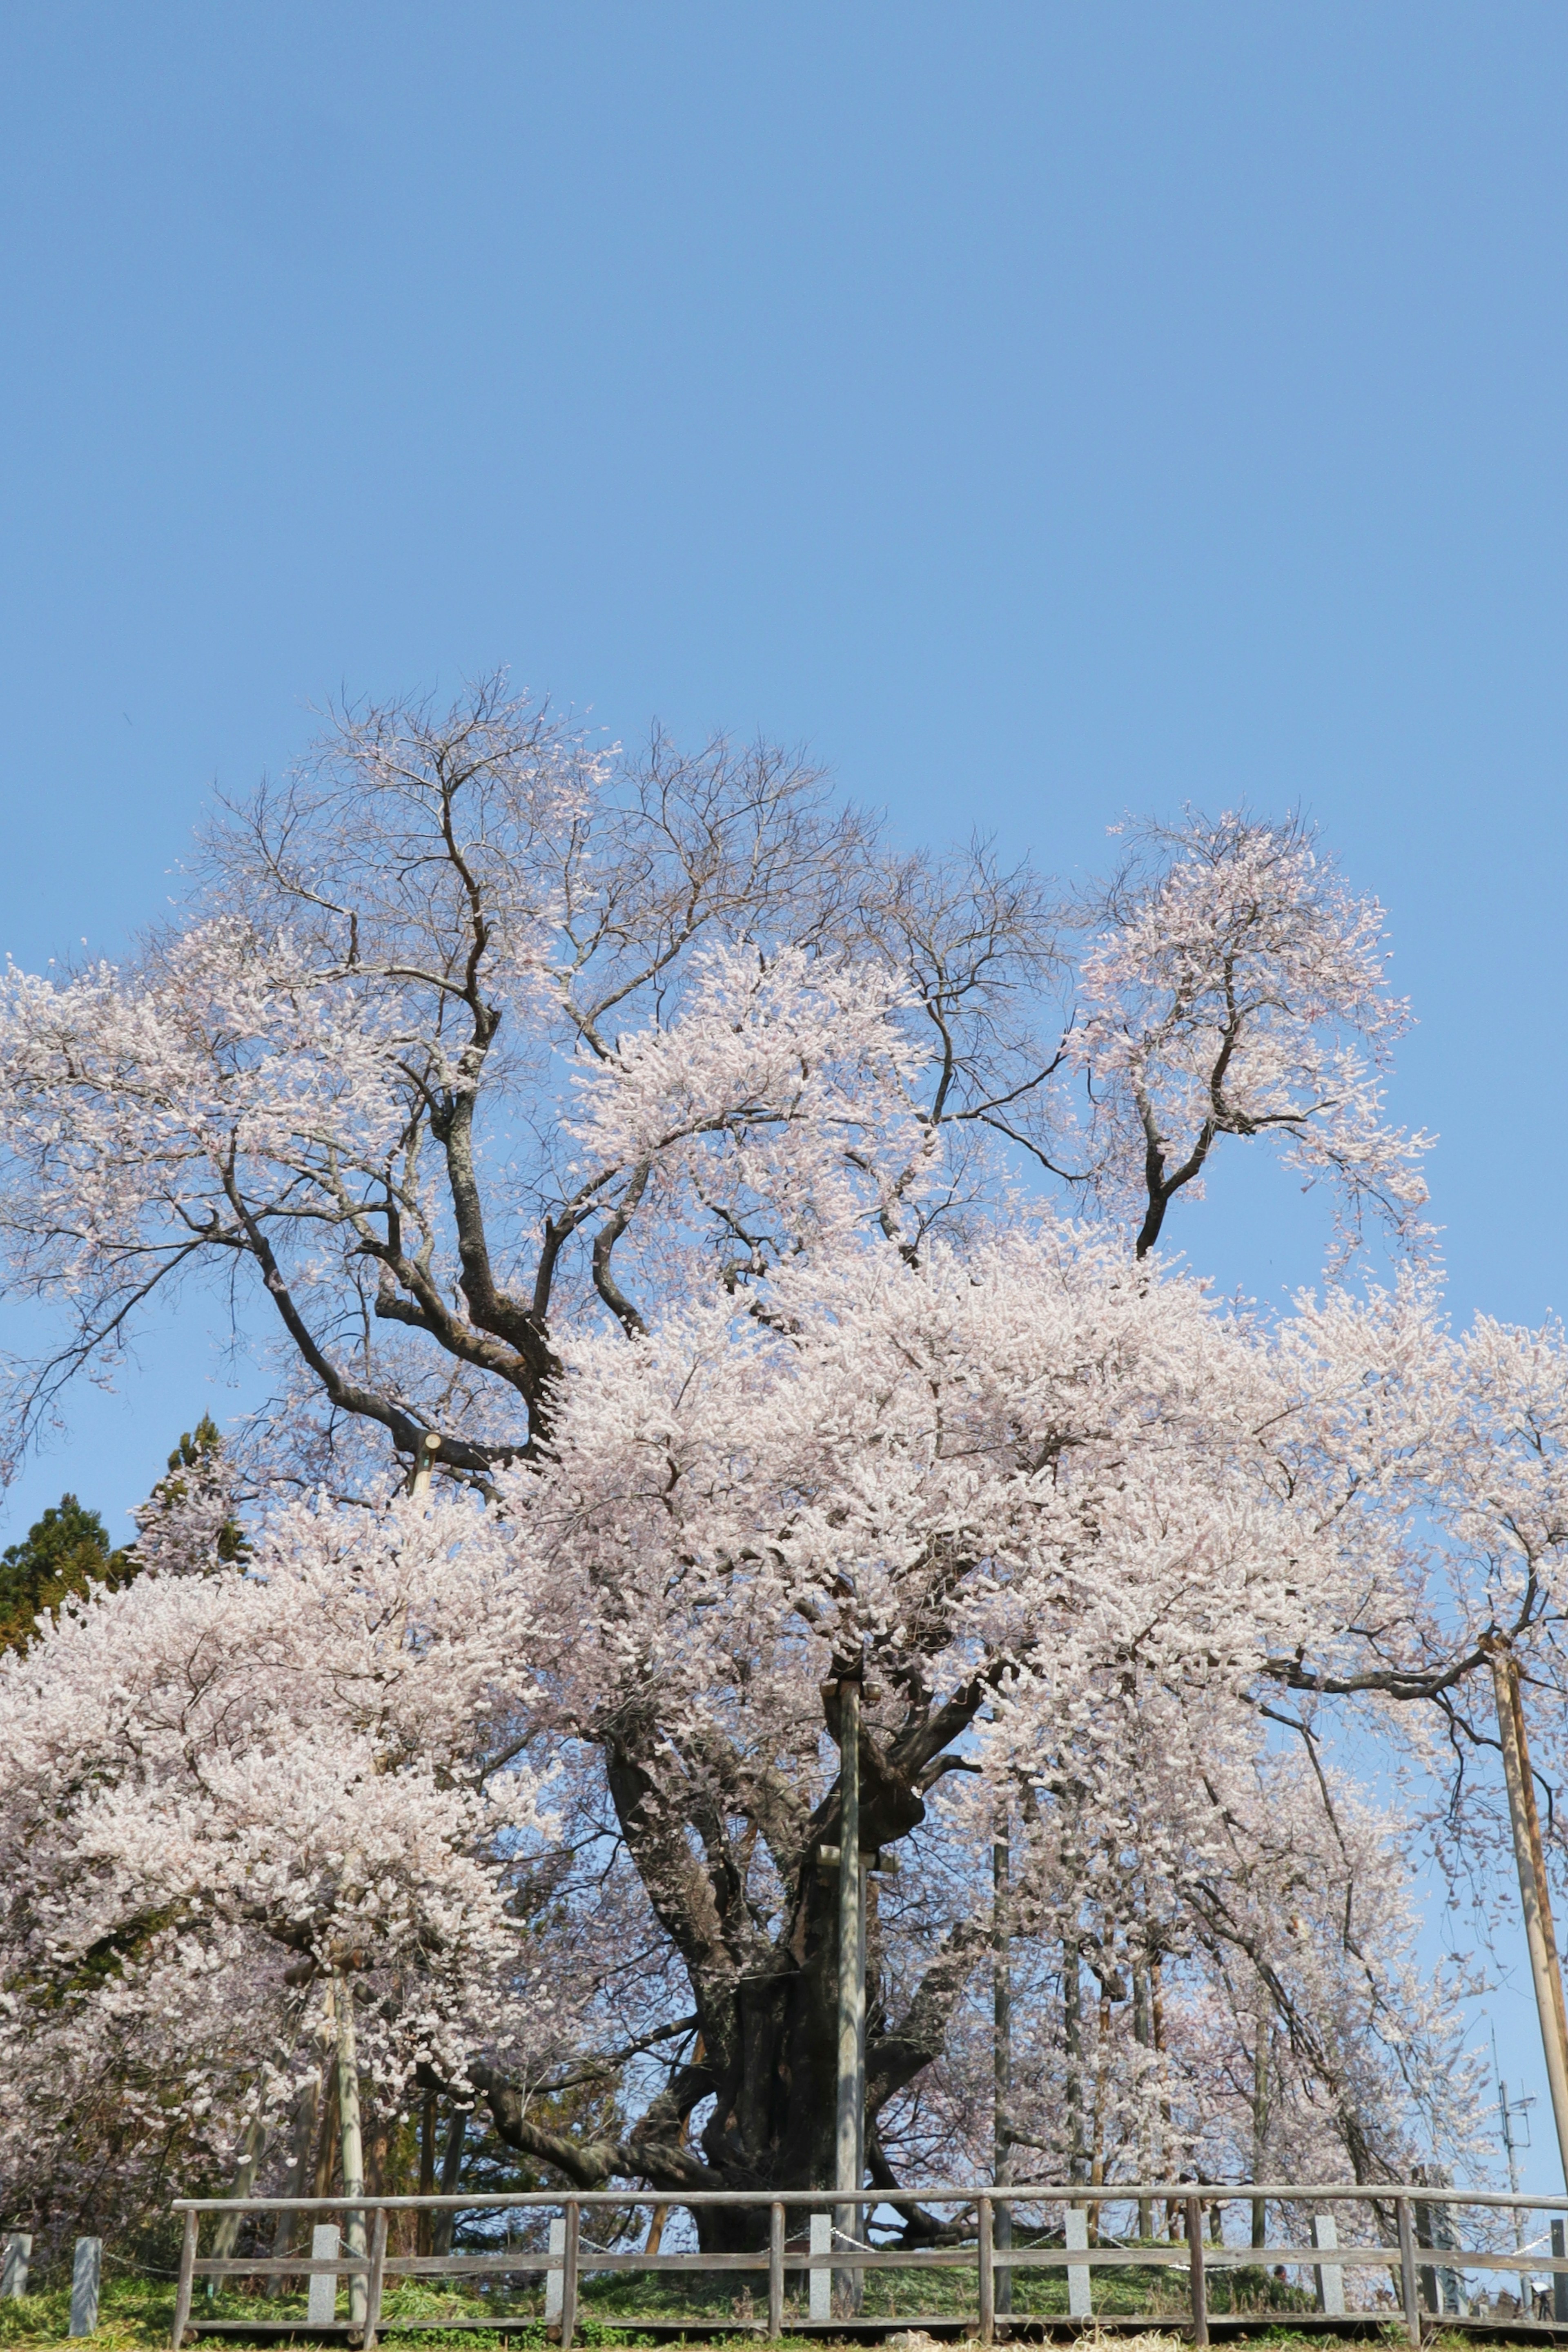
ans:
(64, 1552)
(186, 1525)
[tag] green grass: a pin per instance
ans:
(137, 2313)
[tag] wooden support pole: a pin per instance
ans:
(850, 2109)
(187, 2278)
(774, 2272)
(426, 1451)
(1534, 1893)
(568, 2273)
(374, 2284)
(988, 2274)
(1410, 2295)
(1196, 2273)
(1002, 2042)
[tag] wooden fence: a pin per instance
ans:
(1410, 2233)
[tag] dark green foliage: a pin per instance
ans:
(64, 1552)
(67, 1552)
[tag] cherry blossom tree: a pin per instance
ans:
(227, 1796)
(691, 1175)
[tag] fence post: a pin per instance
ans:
(820, 2293)
(1196, 2271)
(1075, 2235)
(1407, 2290)
(86, 2271)
(988, 2273)
(321, 2303)
(555, 2277)
(187, 2280)
(1329, 2276)
(374, 2284)
(568, 2273)
(775, 2271)
(13, 2274)
(1559, 2278)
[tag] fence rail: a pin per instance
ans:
(1416, 2239)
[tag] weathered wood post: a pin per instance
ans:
(1002, 2047)
(14, 2269)
(775, 2271)
(187, 2279)
(568, 2273)
(1195, 2270)
(850, 2116)
(1409, 2294)
(353, 2145)
(987, 2272)
(374, 2284)
(86, 2277)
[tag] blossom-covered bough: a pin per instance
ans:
(757, 1224)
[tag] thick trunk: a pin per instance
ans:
(767, 2051)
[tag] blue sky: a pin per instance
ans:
(1040, 410)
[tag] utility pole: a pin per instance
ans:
(1002, 2048)
(1534, 1893)
(848, 2149)
(1507, 2109)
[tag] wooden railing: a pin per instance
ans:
(1404, 2242)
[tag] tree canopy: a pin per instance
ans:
(761, 1231)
